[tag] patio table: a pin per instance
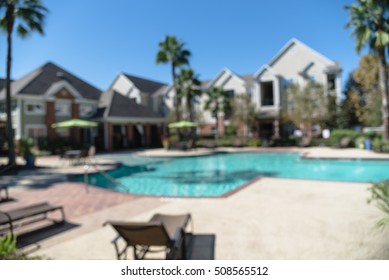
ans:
(72, 155)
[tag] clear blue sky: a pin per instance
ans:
(97, 39)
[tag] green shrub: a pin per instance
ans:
(8, 249)
(381, 146)
(226, 141)
(27, 147)
(360, 142)
(385, 146)
(339, 134)
(321, 142)
(377, 144)
(230, 129)
(284, 142)
(380, 194)
(254, 143)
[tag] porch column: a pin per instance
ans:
(76, 133)
(130, 135)
(108, 136)
(124, 136)
(147, 134)
(276, 125)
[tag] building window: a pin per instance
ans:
(331, 81)
(13, 107)
(35, 132)
(62, 109)
(34, 108)
(86, 110)
(267, 94)
(287, 82)
(230, 93)
(250, 91)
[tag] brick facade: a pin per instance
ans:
(50, 119)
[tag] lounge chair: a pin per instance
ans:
(40, 211)
(167, 231)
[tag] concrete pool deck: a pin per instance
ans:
(269, 219)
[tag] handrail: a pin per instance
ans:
(107, 176)
(6, 167)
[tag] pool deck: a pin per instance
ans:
(271, 218)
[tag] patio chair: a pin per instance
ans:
(36, 211)
(167, 231)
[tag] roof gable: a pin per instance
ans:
(40, 80)
(114, 104)
(291, 46)
(145, 85)
(225, 74)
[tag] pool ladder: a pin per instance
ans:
(105, 174)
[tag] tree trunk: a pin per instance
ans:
(383, 82)
(8, 101)
(217, 127)
(176, 100)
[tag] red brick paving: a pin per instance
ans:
(72, 196)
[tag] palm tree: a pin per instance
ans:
(28, 16)
(172, 51)
(189, 85)
(218, 102)
(369, 20)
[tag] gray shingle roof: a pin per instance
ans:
(113, 104)
(38, 81)
(2, 83)
(145, 85)
(249, 79)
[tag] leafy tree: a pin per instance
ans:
(347, 117)
(218, 101)
(27, 16)
(243, 113)
(189, 85)
(363, 93)
(367, 76)
(369, 21)
(172, 51)
(305, 106)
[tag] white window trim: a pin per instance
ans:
(63, 114)
(275, 88)
(26, 103)
(88, 115)
(39, 126)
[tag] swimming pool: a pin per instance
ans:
(217, 174)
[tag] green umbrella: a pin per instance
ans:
(74, 123)
(182, 124)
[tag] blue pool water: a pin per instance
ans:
(217, 174)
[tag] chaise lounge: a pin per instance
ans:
(167, 231)
(37, 211)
